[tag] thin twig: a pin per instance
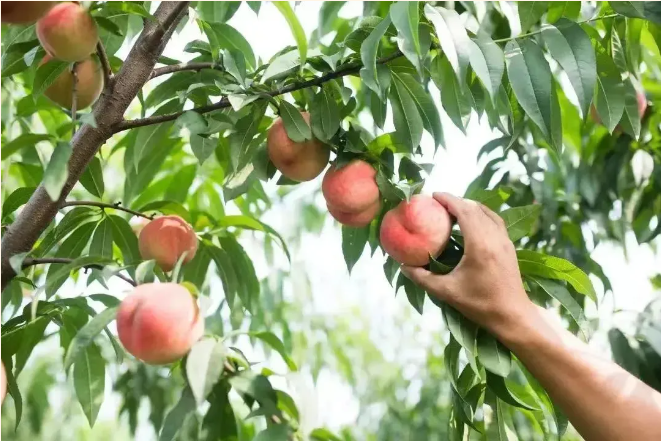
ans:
(105, 64)
(197, 66)
(103, 205)
(348, 69)
(539, 31)
(74, 97)
(28, 262)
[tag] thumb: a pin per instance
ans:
(434, 284)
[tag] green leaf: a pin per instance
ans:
(571, 47)
(217, 12)
(204, 365)
(244, 132)
(92, 177)
(488, 62)
(125, 238)
(532, 263)
(144, 273)
(520, 221)
(378, 107)
(452, 37)
(463, 330)
(276, 344)
(324, 115)
(493, 199)
(89, 380)
(277, 432)
(281, 64)
(15, 392)
(248, 289)
(86, 335)
(404, 15)
(196, 270)
(648, 10)
(353, 244)
(224, 36)
(80, 237)
(298, 130)
(296, 28)
(498, 386)
(414, 294)
(623, 353)
(167, 207)
(530, 13)
(220, 409)
(425, 105)
(175, 418)
(16, 199)
(192, 121)
(569, 9)
(149, 140)
(407, 119)
(46, 74)
(609, 94)
(559, 292)
(630, 122)
(368, 52)
(57, 171)
(532, 82)
(203, 147)
(455, 103)
(20, 142)
(239, 101)
(493, 355)
(102, 240)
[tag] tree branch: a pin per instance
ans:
(348, 69)
(196, 66)
(29, 261)
(105, 64)
(40, 210)
(102, 205)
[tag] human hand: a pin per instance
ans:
(486, 285)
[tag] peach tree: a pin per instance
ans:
(563, 83)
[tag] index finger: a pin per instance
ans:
(470, 217)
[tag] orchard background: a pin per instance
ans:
(547, 96)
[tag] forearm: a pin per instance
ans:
(603, 401)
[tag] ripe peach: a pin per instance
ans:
(68, 32)
(351, 193)
(165, 239)
(413, 230)
(24, 12)
(3, 383)
(300, 161)
(158, 323)
(88, 86)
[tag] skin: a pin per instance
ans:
(165, 239)
(88, 86)
(158, 323)
(351, 193)
(24, 12)
(68, 32)
(413, 230)
(299, 161)
(603, 401)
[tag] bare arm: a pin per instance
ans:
(603, 401)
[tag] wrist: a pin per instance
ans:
(519, 327)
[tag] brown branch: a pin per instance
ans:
(28, 262)
(105, 65)
(351, 68)
(74, 97)
(40, 210)
(103, 205)
(196, 66)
